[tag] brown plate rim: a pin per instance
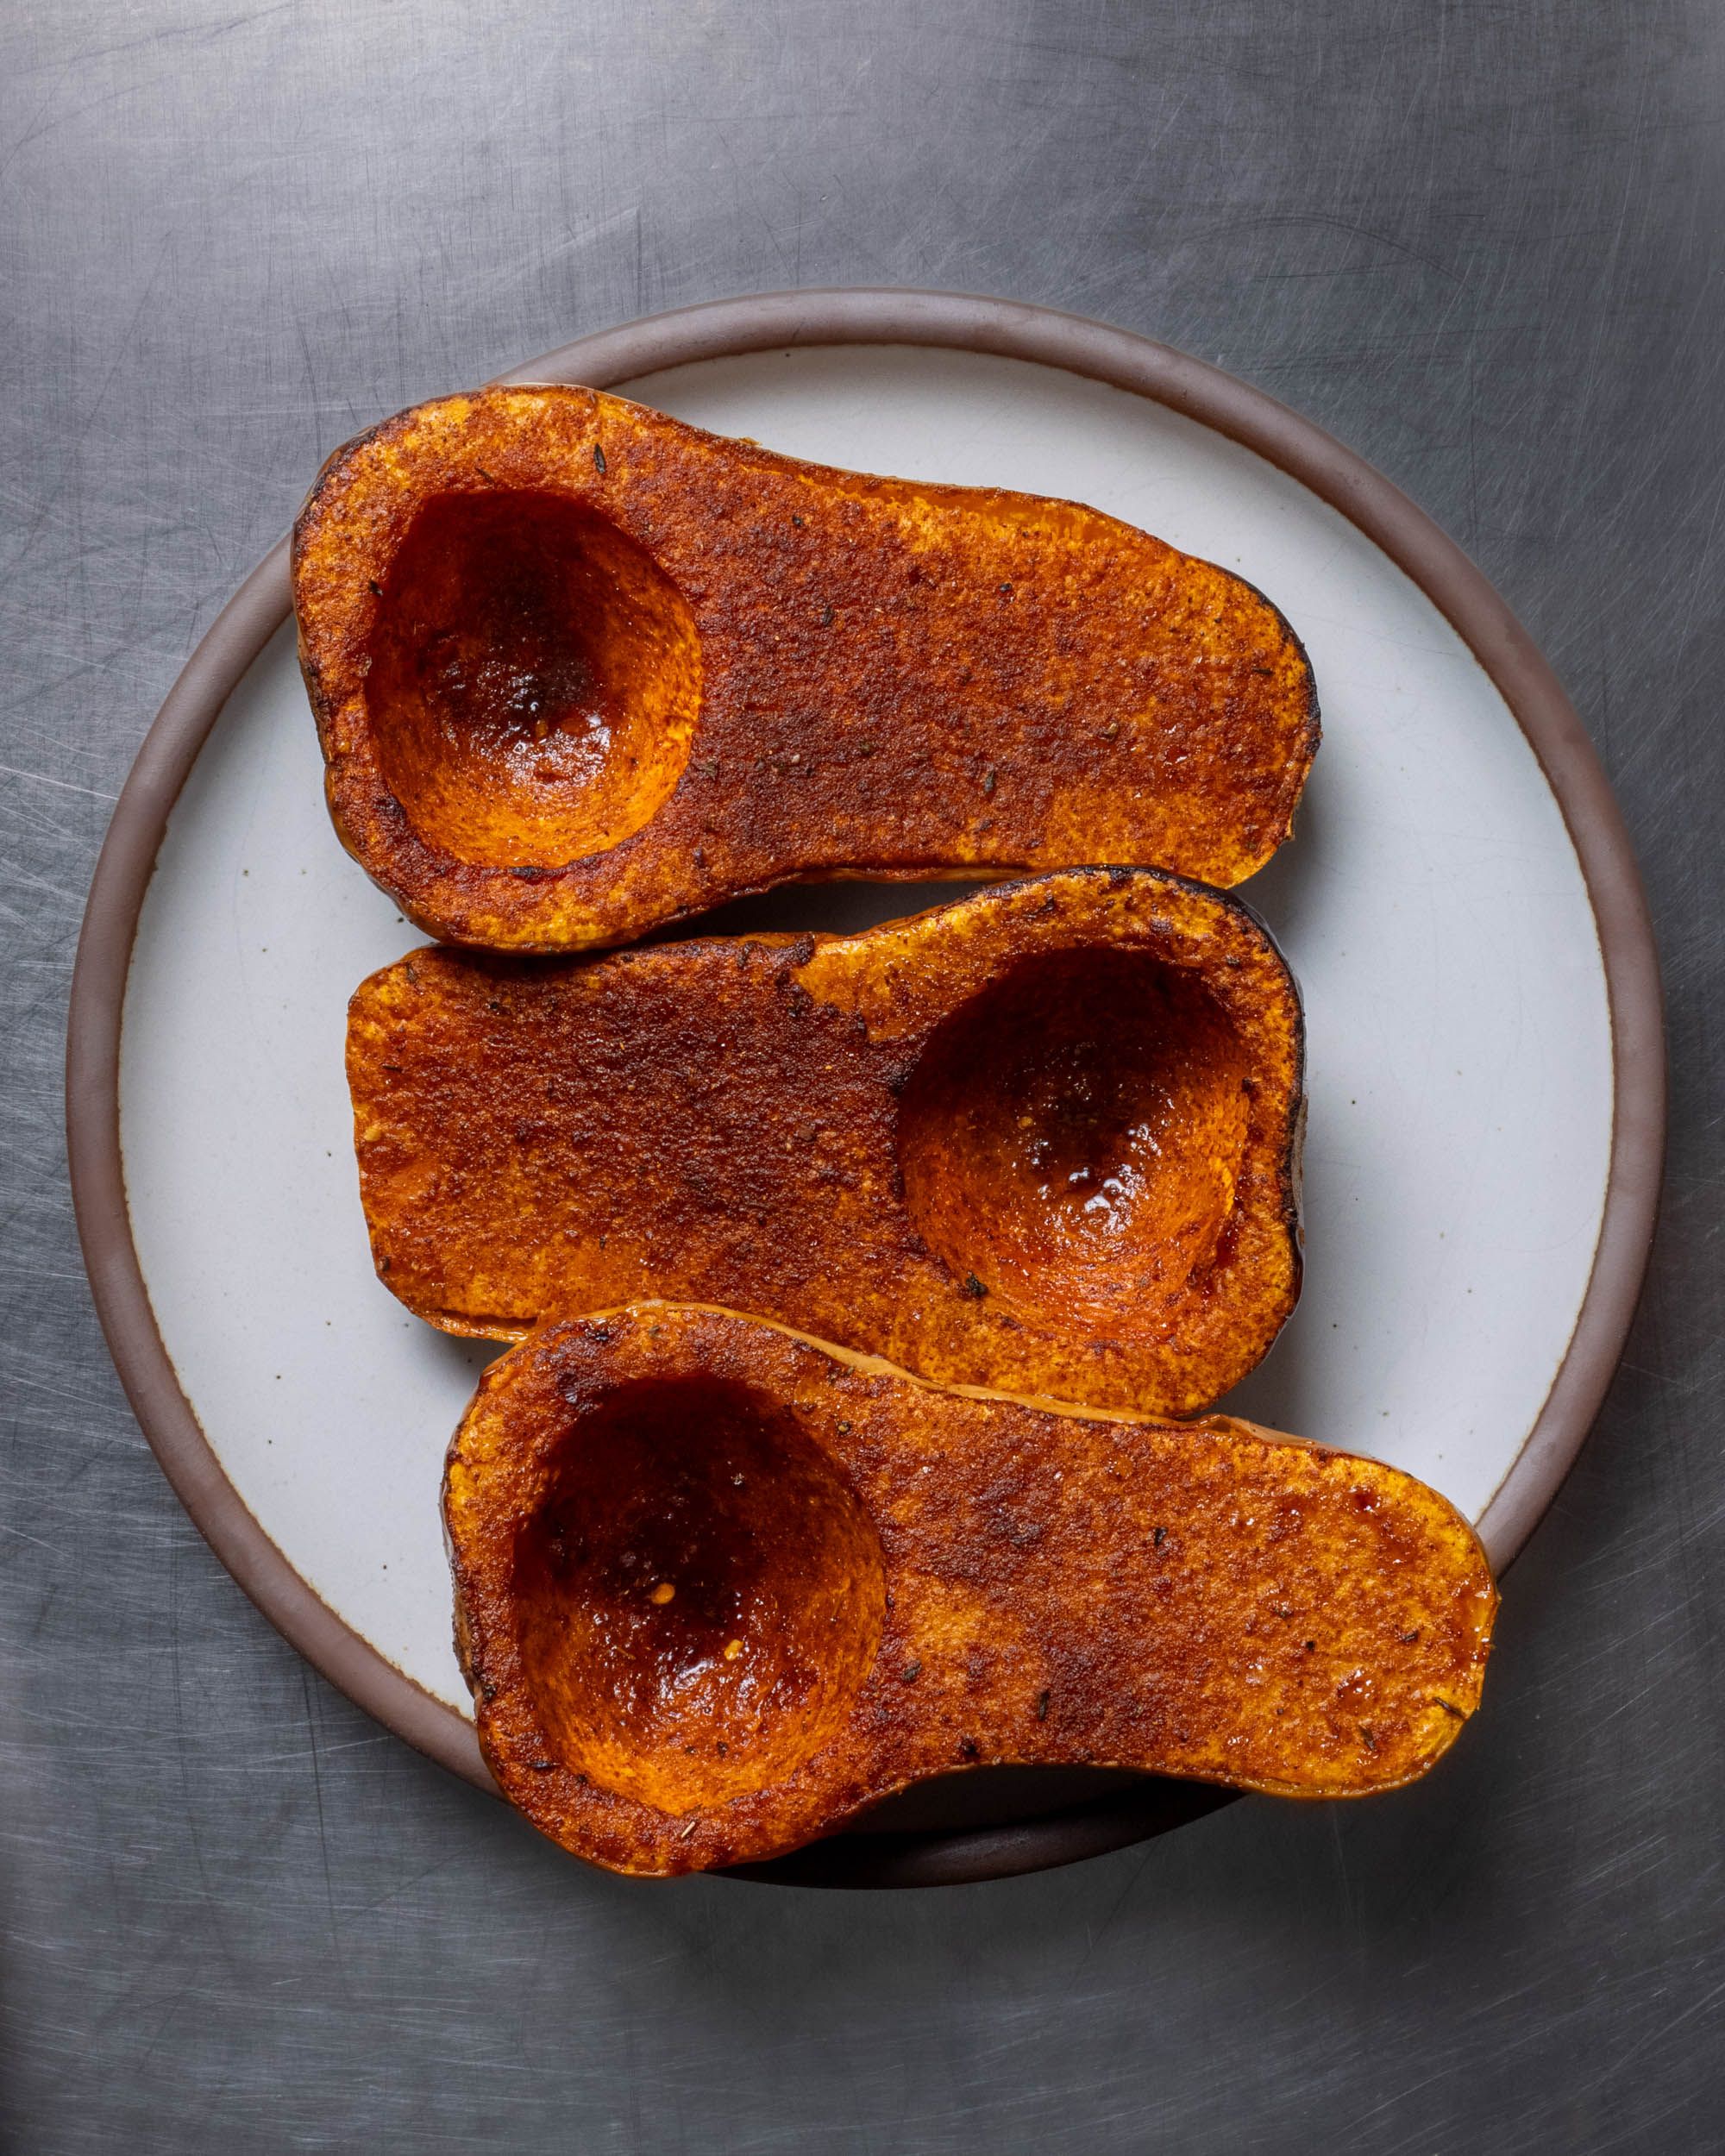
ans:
(1013, 330)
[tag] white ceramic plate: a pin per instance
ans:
(1432, 903)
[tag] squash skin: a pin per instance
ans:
(719, 1588)
(1045, 1139)
(771, 670)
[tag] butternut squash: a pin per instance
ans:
(579, 669)
(720, 1587)
(1043, 1138)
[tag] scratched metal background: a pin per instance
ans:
(1480, 242)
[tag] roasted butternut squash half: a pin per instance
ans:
(718, 1588)
(1043, 1138)
(580, 669)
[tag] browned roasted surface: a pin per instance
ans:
(1041, 1138)
(718, 1588)
(579, 669)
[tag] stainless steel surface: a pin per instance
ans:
(1481, 246)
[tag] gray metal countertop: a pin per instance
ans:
(1480, 244)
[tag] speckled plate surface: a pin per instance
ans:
(1458, 902)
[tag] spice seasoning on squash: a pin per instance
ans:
(1059, 1155)
(545, 629)
(897, 1619)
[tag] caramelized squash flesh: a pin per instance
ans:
(720, 1587)
(700, 1593)
(1072, 1137)
(579, 669)
(534, 679)
(1044, 1138)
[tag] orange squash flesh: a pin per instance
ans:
(580, 669)
(719, 1588)
(1042, 1138)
